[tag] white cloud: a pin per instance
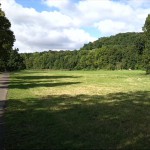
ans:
(109, 16)
(138, 3)
(62, 28)
(38, 31)
(109, 27)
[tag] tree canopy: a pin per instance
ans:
(146, 54)
(123, 51)
(7, 40)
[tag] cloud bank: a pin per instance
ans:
(64, 25)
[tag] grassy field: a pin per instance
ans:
(78, 110)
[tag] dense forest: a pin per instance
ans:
(122, 51)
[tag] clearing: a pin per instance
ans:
(78, 109)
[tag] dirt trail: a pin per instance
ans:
(4, 81)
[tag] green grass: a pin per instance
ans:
(78, 110)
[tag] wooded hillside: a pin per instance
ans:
(122, 51)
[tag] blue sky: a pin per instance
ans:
(41, 25)
(36, 4)
(39, 6)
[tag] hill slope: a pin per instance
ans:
(122, 39)
(122, 51)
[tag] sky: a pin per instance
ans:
(41, 25)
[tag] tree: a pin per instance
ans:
(146, 53)
(15, 61)
(7, 40)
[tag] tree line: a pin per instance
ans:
(105, 53)
(122, 51)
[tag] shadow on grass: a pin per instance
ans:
(33, 85)
(113, 121)
(2, 107)
(25, 82)
(44, 77)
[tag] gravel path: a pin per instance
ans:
(4, 81)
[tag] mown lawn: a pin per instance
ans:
(78, 110)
